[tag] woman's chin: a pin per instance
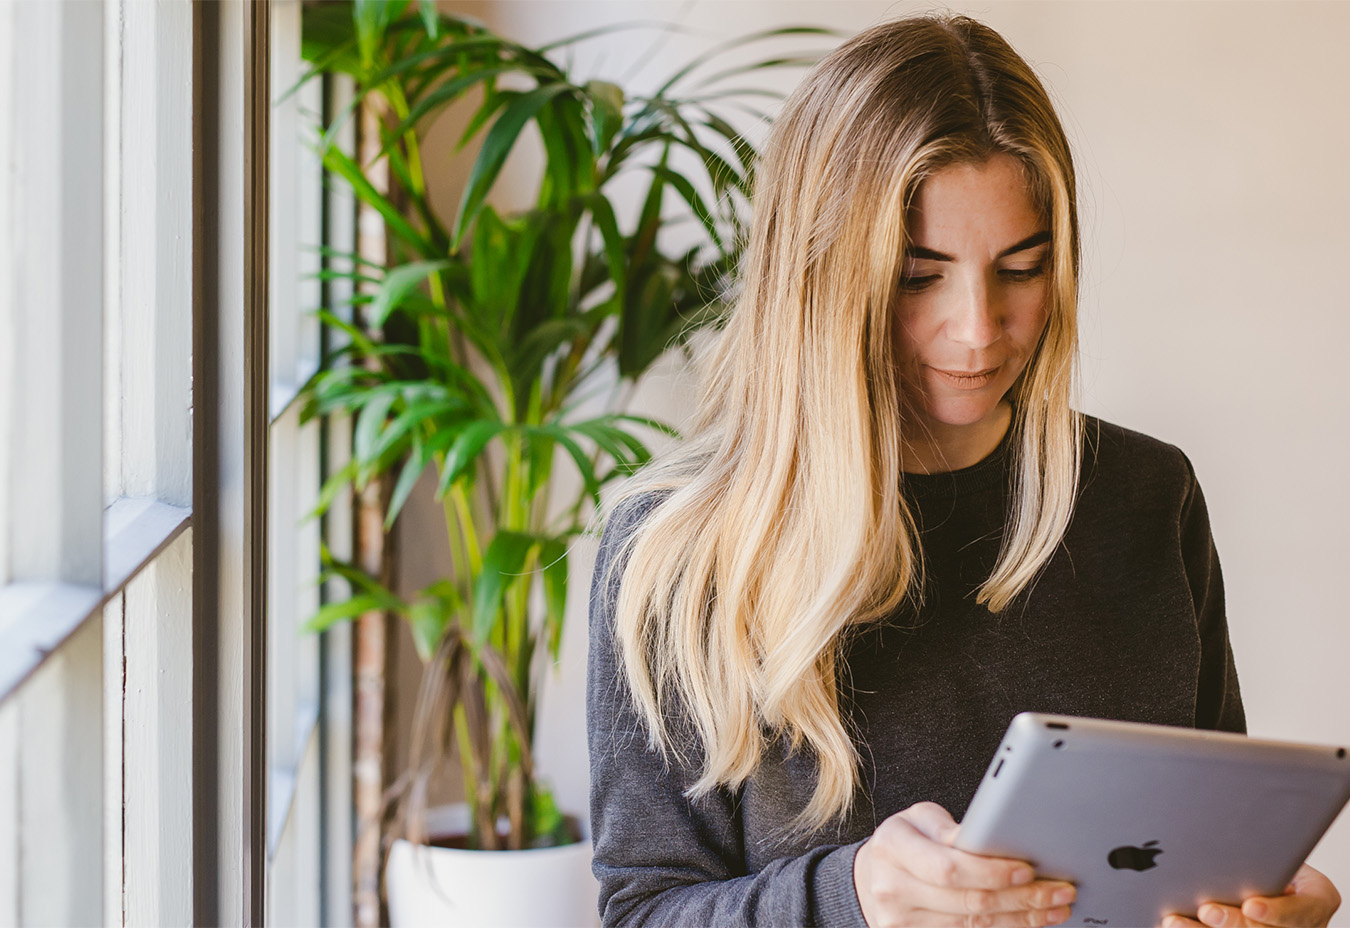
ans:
(965, 414)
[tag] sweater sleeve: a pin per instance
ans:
(661, 858)
(1218, 702)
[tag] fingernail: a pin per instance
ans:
(1254, 909)
(1022, 875)
(1063, 896)
(1212, 915)
(1055, 916)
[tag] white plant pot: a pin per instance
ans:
(548, 887)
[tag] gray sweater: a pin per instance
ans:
(1125, 622)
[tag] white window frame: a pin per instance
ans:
(134, 557)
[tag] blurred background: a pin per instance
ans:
(177, 744)
(1211, 143)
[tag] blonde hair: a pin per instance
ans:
(781, 525)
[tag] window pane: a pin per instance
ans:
(7, 330)
(284, 179)
(56, 293)
(282, 600)
(112, 260)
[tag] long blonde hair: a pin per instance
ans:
(782, 525)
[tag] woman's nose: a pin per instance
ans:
(975, 320)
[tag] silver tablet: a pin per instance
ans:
(1149, 820)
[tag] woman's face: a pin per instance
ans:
(971, 307)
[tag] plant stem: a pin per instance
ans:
(458, 555)
(463, 510)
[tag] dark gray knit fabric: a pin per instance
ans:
(1126, 622)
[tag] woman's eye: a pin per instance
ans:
(1020, 274)
(913, 284)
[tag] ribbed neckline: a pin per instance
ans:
(990, 471)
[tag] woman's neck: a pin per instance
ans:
(940, 447)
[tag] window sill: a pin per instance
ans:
(36, 617)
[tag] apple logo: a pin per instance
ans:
(1129, 857)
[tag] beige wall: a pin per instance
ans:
(1212, 142)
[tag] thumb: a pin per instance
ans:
(933, 821)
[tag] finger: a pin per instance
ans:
(1032, 918)
(933, 821)
(1216, 915)
(1296, 911)
(917, 853)
(1039, 896)
(1180, 921)
(1311, 900)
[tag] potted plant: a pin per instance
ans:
(481, 340)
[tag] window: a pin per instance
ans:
(299, 664)
(167, 733)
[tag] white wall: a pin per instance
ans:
(1212, 143)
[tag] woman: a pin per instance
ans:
(889, 532)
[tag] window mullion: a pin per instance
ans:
(229, 536)
(157, 250)
(154, 688)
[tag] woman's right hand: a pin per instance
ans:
(908, 873)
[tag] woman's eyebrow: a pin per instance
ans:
(1031, 241)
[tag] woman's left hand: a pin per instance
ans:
(1309, 902)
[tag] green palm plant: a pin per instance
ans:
(482, 340)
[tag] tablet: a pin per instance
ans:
(1149, 820)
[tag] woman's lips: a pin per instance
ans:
(966, 380)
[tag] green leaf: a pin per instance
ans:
(327, 29)
(360, 338)
(607, 112)
(344, 611)
(467, 446)
(693, 198)
(627, 450)
(407, 479)
(547, 823)
(560, 435)
(543, 339)
(764, 64)
(649, 220)
(603, 214)
(644, 330)
(737, 42)
(545, 291)
(445, 94)
(332, 487)
(370, 423)
(611, 28)
(427, 620)
(361, 582)
(337, 161)
(656, 425)
(553, 560)
(745, 152)
(439, 57)
(499, 260)
(501, 138)
(373, 18)
(492, 101)
(720, 172)
(430, 17)
(330, 274)
(502, 565)
(397, 285)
